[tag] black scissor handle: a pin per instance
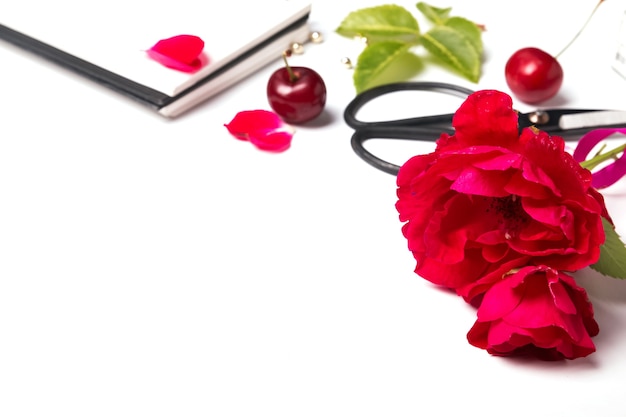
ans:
(368, 95)
(408, 133)
(411, 129)
(431, 127)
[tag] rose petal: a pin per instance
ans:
(609, 174)
(248, 121)
(486, 118)
(263, 128)
(273, 141)
(181, 52)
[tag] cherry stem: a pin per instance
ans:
(581, 29)
(590, 164)
(292, 75)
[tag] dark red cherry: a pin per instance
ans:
(296, 94)
(533, 75)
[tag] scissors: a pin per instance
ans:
(562, 122)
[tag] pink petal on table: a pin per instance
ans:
(181, 52)
(275, 141)
(263, 128)
(609, 174)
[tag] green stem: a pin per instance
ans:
(590, 164)
(580, 31)
(292, 76)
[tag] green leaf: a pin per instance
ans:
(612, 254)
(455, 48)
(378, 59)
(469, 30)
(381, 23)
(434, 14)
(454, 42)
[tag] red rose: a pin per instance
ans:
(489, 200)
(536, 310)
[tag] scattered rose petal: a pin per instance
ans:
(609, 174)
(181, 52)
(263, 128)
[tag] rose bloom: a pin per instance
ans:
(538, 311)
(489, 200)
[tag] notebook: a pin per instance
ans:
(108, 42)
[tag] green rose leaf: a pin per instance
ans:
(375, 60)
(612, 254)
(380, 23)
(456, 48)
(435, 14)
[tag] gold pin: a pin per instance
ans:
(316, 37)
(346, 62)
(297, 48)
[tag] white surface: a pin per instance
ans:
(151, 267)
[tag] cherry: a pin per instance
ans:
(533, 75)
(296, 94)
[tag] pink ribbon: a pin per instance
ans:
(609, 174)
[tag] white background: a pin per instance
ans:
(154, 267)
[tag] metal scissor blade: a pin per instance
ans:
(592, 119)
